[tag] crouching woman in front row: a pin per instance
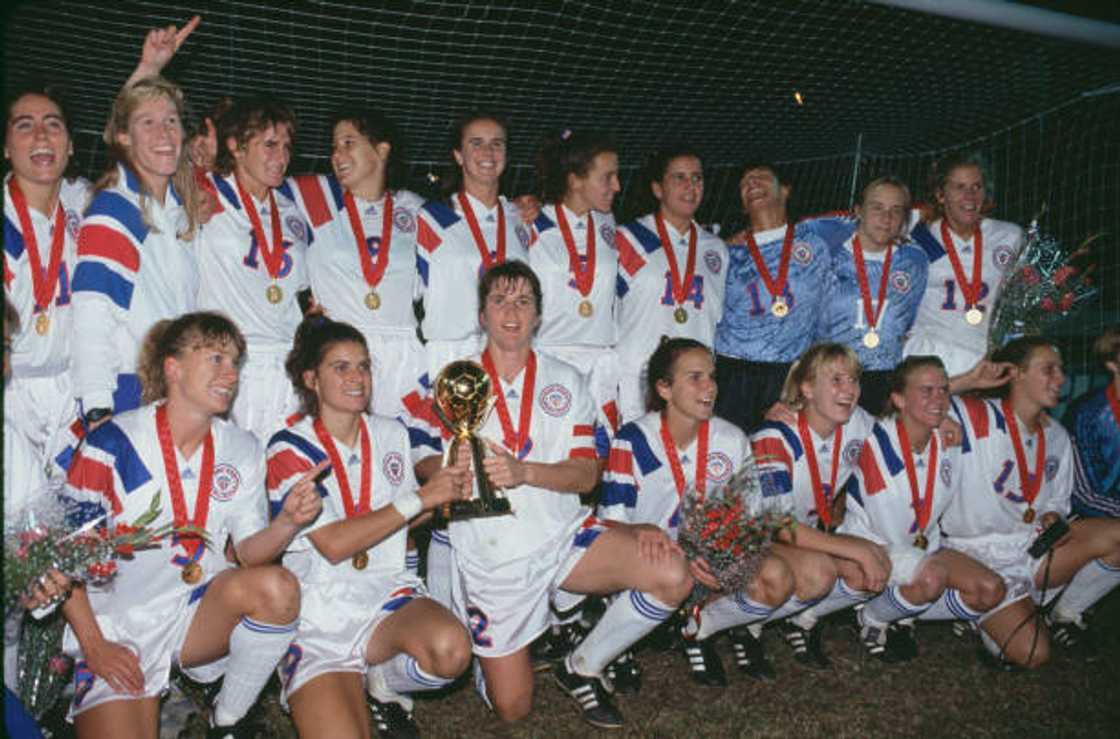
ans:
(363, 611)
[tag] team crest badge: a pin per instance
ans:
(73, 223)
(802, 253)
(555, 400)
(900, 281)
(719, 467)
(393, 467)
(1003, 255)
(606, 231)
(226, 482)
(404, 221)
(297, 228)
(713, 261)
(851, 452)
(1052, 464)
(522, 236)
(946, 471)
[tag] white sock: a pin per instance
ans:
(254, 651)
(439, 568)
(949, 607)
(632, 615)
(841, 597)
(888, 607)
(480, 684)
(736, 609)
(790, 607)
(403, 674)
(1091, 583)
(412, 561)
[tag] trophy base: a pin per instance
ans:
(460, 510)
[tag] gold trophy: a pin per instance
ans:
(463, 402)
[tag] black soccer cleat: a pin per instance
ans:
(750, 657)
(902, 641)
(807, 646)
(1075, 637)
(590, 694)
(555, 644)
(625, 674)
(392, 720)
(876, 643)
(704, 664)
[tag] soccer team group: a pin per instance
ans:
(159, 341)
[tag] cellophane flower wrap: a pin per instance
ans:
(731, 527)
(39, 538)
(1046, 284)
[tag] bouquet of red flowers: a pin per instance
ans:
(1044, 285)
(731, 528)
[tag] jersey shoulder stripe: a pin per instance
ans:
(922, 236)
(442, 213)
(313, 199)
(285, 189)
(115, 206)
(226, 192)
(639, 446)
(112, 440)
(648, 240)
(890, 456)
(544, 223)
(13, 239)
(97, 278)
(787, 433)
(869, 468)
(100, 240)
(302, 445)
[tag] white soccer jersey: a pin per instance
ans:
(646, 306)
(991, 503)
(562, 427)
(237, 280)
(879, 505)
(784, 467)
(335, 266)
(120, 469)
(133, 270)
(35, 354)
(296, 449)
(940, 327)
(638, 484)
(562, 323)
(449, 263)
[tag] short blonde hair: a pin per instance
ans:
(172, 338)
(805, 369)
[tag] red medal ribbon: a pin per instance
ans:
(680, 288)
(778, 286)
(372, 272)
(476, 232)
(1029, 485)
(584, 277)
(701, 483)
(43, 282)
(1113, 401)
(339, 469)
(969, 290)
(192, 543)
(272, 256)
(872, 315)
(922, 506)
(517, 441)
(824, 502)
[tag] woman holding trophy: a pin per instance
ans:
(363, 611)
(506, 568)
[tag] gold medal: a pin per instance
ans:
(585, 308)
(360, 560)
(42, 324)
(973, 316)
(1028, 515)
(192, 573)
(680, 314)
(373, 300)
(779, 307)
(274, 293)
(921, 542)
(871, 339)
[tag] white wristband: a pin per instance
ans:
(409, 505)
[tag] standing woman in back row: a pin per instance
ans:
(363, 266)
(968, 255)
(572, 250)
(462, 237)
(671, 271)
